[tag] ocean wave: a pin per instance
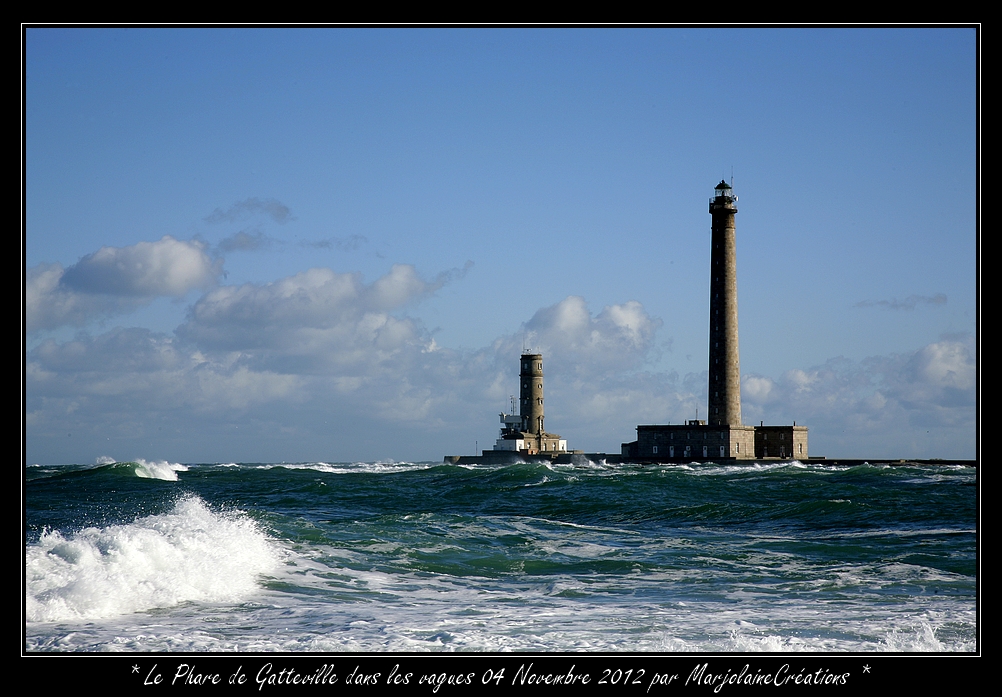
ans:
(352, 468)
(189, 554)
(164, 470)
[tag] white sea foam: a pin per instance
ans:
(189, 554)
(891, 532)
(159, 470)
(435, 612)
(352, 468)
(715, 469)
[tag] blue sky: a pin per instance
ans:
(331, 244)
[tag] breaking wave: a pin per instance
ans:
(189, 554)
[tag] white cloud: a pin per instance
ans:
(597, 390)
(145, 270)
(114, 280)
(48, 304)
(619, 338)
(134, 375)
(757, 389)
(326, 347)
(870, 407)
(316, 321)
(398, 287)
(241, 387)
(323, 364)
(943, 366)
(939, 375)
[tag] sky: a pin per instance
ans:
(267, 245)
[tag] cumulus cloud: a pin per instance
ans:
(871, 406)
(400, 286)
(936, 377)
(317, 320)
(598, 384)
(145, 270)
(315, 346)
(942, 374)
(128, 383)
(113, 280)
(243, 210)
(321, 346)
(908, 303)
(49, 304)
(326, 359)
(620, 335)
(758, 389)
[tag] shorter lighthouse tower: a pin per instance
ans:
(530, 380)
(525, 433)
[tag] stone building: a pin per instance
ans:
(693, 440)
(781, 441)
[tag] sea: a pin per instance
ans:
(415, 557)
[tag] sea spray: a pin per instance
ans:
(159, 470)
(189, 554)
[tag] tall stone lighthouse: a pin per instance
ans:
(724, 402)
(721, 436)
